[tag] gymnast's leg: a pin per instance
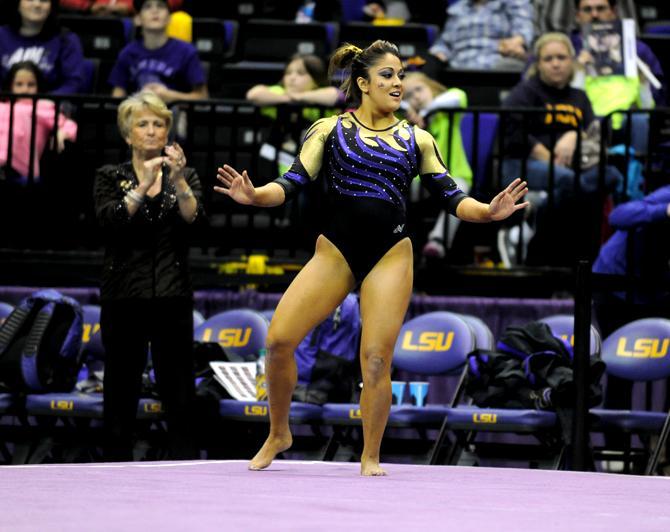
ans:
(315, 292)
(385, 295)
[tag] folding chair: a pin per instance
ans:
(8, 402)
(638, 352)
(436, 343)
(562, 325)
(483, 335)
(242, 334)
(465, 422)
(75, 418)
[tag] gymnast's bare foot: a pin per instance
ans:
(371, 468)
(274, 445)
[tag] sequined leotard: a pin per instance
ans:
(368, 173)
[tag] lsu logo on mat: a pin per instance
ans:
(89, 330)
(428, 341)
(485, 418)
(229, 337)
(256, 410)
(61, 405)
(642, 348)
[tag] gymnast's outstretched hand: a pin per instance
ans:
(237, 186)
(505, 203)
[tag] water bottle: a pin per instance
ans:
(261, 385)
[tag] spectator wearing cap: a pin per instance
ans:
(168, 67)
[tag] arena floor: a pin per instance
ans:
(291, 495)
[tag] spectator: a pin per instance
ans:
(484, 34)
(640, 226)
(168, 67)
(612, 93)
(529, 141)
(121, 8)
(33, 34)
(145, 207)
(40, 203)
(559, 15)
(305, 81)
(548, 87)
(424, 98)
(25, 78)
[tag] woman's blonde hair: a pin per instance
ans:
(136, 103)
(435, 86)
(545, 39)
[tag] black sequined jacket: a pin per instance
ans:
(146, 255)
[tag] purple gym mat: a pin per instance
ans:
(223, 495)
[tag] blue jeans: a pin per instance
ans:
(537, 176)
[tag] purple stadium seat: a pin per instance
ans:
(488, 128)
(240, 332)
(562, 325)
(483, 336)
(198, 319)
(638, 352)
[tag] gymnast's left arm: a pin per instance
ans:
(436, 177)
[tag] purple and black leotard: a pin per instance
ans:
(368, 174)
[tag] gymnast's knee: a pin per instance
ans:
(376, 368)
(279, 347)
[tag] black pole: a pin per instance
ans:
(582, 329)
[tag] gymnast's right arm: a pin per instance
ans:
(305, 168)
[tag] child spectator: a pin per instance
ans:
(168, 67)
(33, 34)
(24, 78)
(424, 98)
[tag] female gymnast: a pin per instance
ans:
(368, 158)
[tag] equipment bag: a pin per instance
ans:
(40, 344)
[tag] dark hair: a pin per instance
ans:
(23, 65)
(137, 4)
(51, 26)
(356, 64)
(315, 67)
(612, 3)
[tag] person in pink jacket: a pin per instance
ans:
(24, 78)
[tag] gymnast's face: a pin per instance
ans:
(384, 88)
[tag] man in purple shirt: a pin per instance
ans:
(168, 67)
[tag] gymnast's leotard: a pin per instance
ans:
(368, 174)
